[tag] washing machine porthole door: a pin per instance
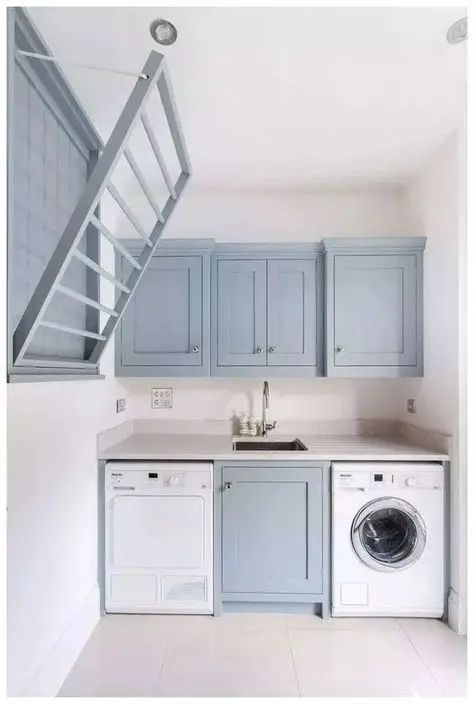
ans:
(388, 534)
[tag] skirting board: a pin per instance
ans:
(457, 613)
(49, 677)
(259, 607)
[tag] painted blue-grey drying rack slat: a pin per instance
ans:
(83, 216)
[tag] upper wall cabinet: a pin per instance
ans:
(165, 329)
(374, 297)
(292, 313)
(266, 312)
(206, 309)
(240, 303)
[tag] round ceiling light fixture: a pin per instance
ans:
(163, 32)
(457, 32)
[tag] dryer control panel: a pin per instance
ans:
(156, 479)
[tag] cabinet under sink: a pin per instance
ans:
(271, 535)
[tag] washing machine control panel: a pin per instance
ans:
(418, 480)
(363, 480)
(387, 478)
(380, 479)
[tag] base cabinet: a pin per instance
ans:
(272, 529)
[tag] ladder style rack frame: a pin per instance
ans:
(83, 216)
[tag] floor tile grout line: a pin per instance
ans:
(295, 670)
(163, 660)
(433, 675)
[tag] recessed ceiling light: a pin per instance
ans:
(163, 31)
(457, 32)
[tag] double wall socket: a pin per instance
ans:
(162, 398)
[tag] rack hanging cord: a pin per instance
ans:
(45, 57)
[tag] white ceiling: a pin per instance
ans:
(281, 98)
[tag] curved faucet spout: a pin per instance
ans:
(266, 394)
(266, 404)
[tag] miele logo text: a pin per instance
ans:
(114, 474)
(345, 475)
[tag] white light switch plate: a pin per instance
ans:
(162, 398)
(411, 405)
(121, 405)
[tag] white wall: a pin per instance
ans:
(437, 200)
(52, 516)
(285, 216)
(433, 200)
(291, 399)
(52, 523)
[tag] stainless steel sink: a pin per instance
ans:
(269, 445)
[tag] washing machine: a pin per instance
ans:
(388, 528)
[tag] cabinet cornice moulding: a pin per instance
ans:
(373, 245)
(189, 245)
(340, 245)
(266, 249)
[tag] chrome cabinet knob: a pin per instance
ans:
(196, 348)
(228, 485)
(259, 350)
(272, 349)
(339, 349)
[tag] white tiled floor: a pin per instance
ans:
(260, 655)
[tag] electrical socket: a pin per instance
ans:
(121, 405)
(411, 405)
(162, 398)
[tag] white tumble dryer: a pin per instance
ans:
(158, 537)
(388, 539)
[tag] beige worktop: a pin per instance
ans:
(141, 440)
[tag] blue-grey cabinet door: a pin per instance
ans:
(375, 310)
(292, 324)
(241, 312)
(272, 530)
(163, 324)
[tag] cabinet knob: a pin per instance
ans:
(228, 485)
(339, 349)
(259, 350)
(272, 349)
(196, 348)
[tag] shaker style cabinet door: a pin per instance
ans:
(375, 311)
(272, 530)
(292, 312)
(240, 313)
(163, 325)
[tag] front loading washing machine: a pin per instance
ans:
(388, 539)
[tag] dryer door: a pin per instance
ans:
(388, 534)
(157, 532)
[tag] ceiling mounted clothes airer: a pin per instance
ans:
(61, 60)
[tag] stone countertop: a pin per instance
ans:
(207, 446)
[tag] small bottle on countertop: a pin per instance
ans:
(252, 426)
(244, 424)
